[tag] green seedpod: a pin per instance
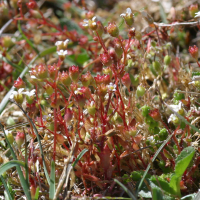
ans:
(145, 110)
(140, 91)
(167, 59)
(163, 134)
(157, 67)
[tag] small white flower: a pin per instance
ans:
(31, 93)
(33, 77)
(92, 103)
(172, 118)
(128, 12)
(7, 132)
(86, 22)
(178, 107)
(197, 14)
(16, 93)
(62, 52)
(61, 42)
(81, 123)
(194, 78)
(78, 91)
(111, 87)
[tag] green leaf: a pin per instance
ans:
(9, 196)
(10, 164)
(37, 193)
(27, 40)
(164, 185)
(126, 190)
(79, 157)
(153, 159)
(52, 181)
(157, 194)
(182, 162)
(189, 197)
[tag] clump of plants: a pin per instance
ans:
(104, 110)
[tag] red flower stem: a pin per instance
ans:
(39, 105)
(123, 108)
(101, 42)
(198, 63)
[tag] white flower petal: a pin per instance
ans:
(197, 14)
(58, 43)
(128, 11)
(123, 15)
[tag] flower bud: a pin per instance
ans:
(131, 32)
(91, 108)
(102, 90)
(126, 80)
(86, 79)
(132, 131)
(138, 35)
(105, 59)
(68, 115)
(52, 71)
(104, 79)
(112, 29)
(107, 71)
(167, 59)
(140, 91)
(39, 71)
(64, 78)
(7, 41)
(9, 136)
(194, 52)
(19, 139)
(60, 139)
(19, 83)
(193, 9)
(128, 17)
(81, 99)
(155, 114)
(118, 48)
(100, 28)
(86, 91)
(74, 73)
(48, 89)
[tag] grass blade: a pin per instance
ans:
(153, 159)
(126, 190)
(6, 188)
(23, 182)
(39, 142)
(52, 181)
(27, 40)
(10, 164)
(17, 67)
(79, 157)
(37, 193)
